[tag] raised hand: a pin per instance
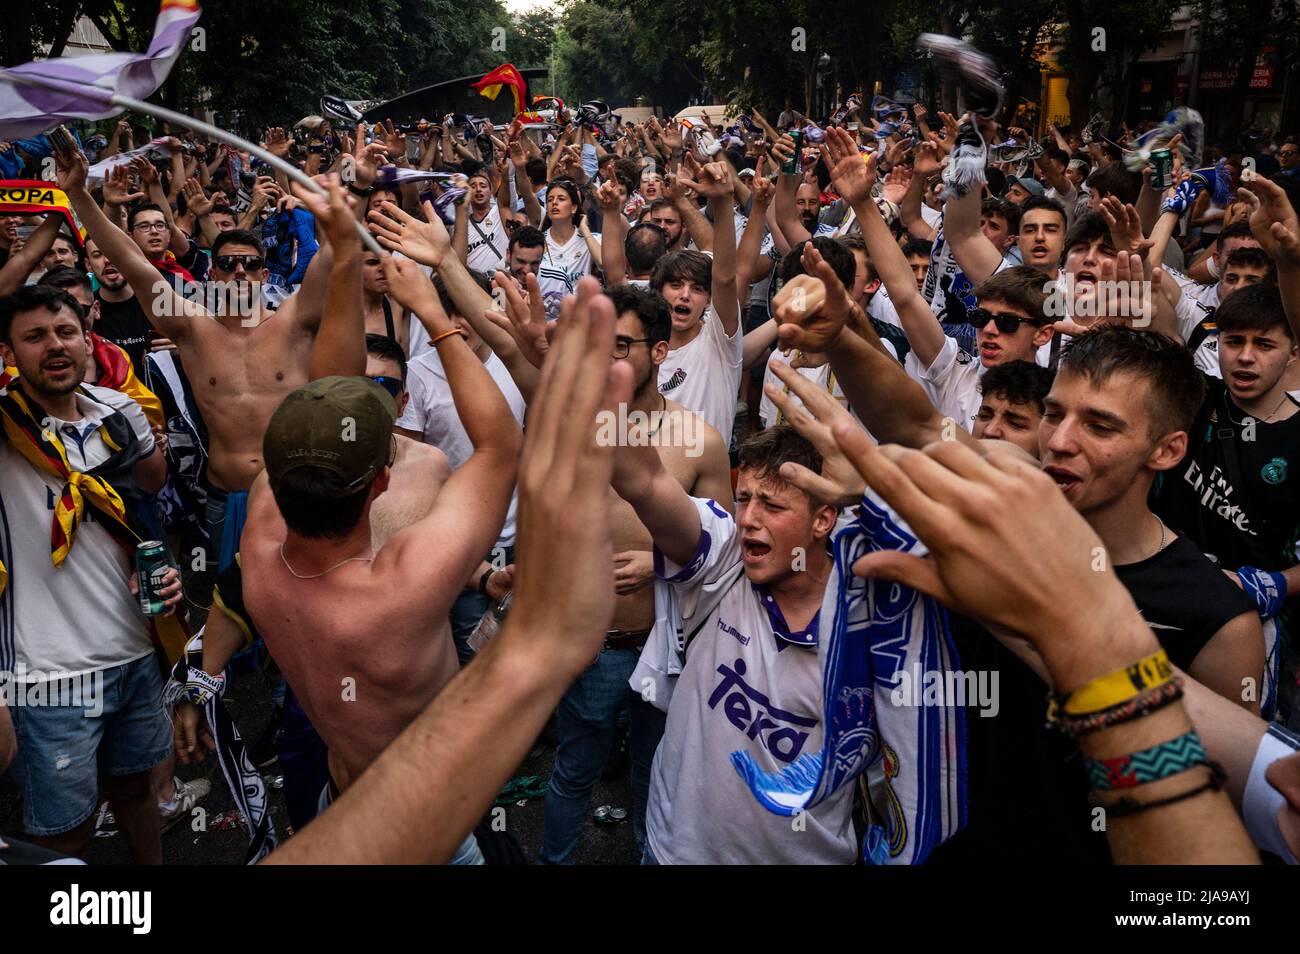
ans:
(145, 170)
(410, 287)
(524, 319)
(426, 242)
(564, 578)
(369, 159)
(1125, 226)
(277, 143)
(1274, 223)
(896, 151)
(394, 142)
(195, 199)
(608, 198)
(671, 136)
(839, 484)
(927, 158)
(783, 150)
(812, 309)
(117, 186)
(518, 156)
(852, 177)
(332, 212)
(713, 181)
(761, 187)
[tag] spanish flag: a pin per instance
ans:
(504, 75)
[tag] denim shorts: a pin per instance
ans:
(63, 750)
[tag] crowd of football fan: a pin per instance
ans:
(1074, 382)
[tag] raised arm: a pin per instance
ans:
(817, 315)
(167, 311)
(854, 179)
(748, 264)
(21, 263)
(787, 184)
(660, 503)
(696, 225)
(613, 233)
(471, 506)
(340, 346)
(714, 183)
(427, 790)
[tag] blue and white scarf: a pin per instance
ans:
(916, 753)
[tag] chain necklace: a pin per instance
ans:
(1263, 420)
(314, 576)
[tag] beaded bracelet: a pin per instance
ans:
(1143, 705)
(1160, 761)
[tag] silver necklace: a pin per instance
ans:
(1162, 534)
(313, 576)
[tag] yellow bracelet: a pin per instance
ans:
(446, 334)
(1116, 688)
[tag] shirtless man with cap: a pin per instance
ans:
(240, 364)
(319, 591)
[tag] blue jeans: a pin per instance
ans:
(116, 726)
(586, 723)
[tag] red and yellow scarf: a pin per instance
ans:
(42, 448)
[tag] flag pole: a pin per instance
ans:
(189, 122)
(214, 132)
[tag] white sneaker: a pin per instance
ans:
(188, 794)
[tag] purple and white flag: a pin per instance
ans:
(81, 87)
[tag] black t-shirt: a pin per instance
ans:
(1236, 494)
(1184, 598)
(124, 323)
(1028, 793)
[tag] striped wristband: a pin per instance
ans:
(1150, 765)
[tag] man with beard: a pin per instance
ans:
(241, 360)
(58, 431)
(695, 457)
(121, 319)
(527, 248)
(665, 214)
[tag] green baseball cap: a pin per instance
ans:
(343, 425)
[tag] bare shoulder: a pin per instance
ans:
(417, 454)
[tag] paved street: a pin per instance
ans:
(250, 706)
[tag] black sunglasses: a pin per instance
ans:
(1005, 322)
(228, 263)
(392, 385)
